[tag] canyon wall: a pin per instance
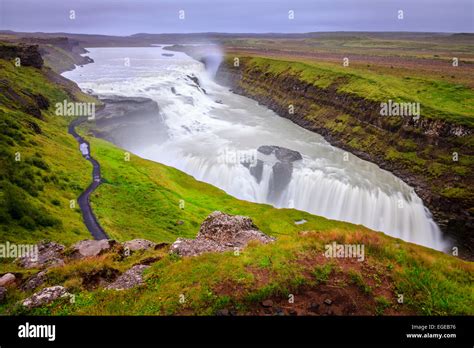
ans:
(400, 145)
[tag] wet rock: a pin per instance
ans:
(3, 294)
(48, 254)
(194, 79)
(130, 279)
(282, 168)
(281, 153)
(267, 303)
(138, 244)
(282, 172)
(90, 248)
(220, 232)
(45, 296)
(35, 281)
(7, 279)
(256, 170)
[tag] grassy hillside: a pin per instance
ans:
(444, 100)
(36, 190)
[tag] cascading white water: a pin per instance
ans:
(212, 132)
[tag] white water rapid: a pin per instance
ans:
(210, 131)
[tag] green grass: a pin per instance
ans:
(323, 272)
(36, 191)
(438, 99)
(432, 283)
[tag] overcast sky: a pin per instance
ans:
(124, 17)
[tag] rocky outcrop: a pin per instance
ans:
(129, 122)
(29, 55)
(138, 244)
(7, 279)
(118, 106)
(281, 153)
(45, 296)
(282, 168)
(218, 233)
(91, 248)
(34, 281)
(48, 254)
(59, 53)
(130, 279)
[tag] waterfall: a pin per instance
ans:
(215, 136)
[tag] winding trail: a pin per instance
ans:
(84, 203)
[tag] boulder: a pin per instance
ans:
(35, 281)
(3, 294)
(7, 279)
(130, 279)
(90, 248)
(45, 296)
(220, 232)
(49, 254)
(138, 244)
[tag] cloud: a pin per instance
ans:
(124, 17)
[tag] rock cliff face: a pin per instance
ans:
(282, 169)
(336, 115)
(29, 55)
(129, 122)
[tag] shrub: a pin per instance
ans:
(56, 202)
(27, 222)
